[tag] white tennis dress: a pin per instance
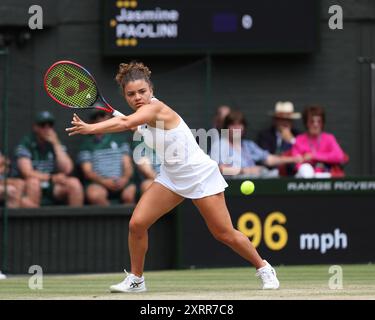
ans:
(185, 168)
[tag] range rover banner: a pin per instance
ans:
(211, 26)
(301, 229)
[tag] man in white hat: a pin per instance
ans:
(280, 137)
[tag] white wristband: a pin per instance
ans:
(116, 113)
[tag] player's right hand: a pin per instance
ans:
(79, 127)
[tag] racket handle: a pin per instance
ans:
(116, 113)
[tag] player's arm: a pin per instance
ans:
(143, 115)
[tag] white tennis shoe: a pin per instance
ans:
(268, 276)
(131, 283)
(2, 276)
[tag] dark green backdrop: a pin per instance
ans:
(331, 76)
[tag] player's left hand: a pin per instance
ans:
(80, 127)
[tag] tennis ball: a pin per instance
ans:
(247, 187)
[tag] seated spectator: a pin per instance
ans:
(319, 150)
(18, 190)
(42, 158)
(238, 156)
(280, 137)
(14, 194)
(106, 166)
(147, 164)
(221, 112)
(206, 139)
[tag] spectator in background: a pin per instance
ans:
(218, 122)
(17, 189)
(244, 154)
(221, 113)
(106, 166)
(42, 158)
(147, 164)
(280, 137)
(319, 150)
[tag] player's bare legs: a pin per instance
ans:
(154, 203)
(215, 213)
(145, 185)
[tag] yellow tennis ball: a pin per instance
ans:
(247, 187)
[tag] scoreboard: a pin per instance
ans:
(209, 26)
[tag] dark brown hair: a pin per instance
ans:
(133, 71)
(234, 116)
(311, 111)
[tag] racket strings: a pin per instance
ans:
(71, 86)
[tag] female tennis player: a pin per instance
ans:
(186, 172)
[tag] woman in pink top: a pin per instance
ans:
(320, 150)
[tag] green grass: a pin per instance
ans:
(297, 282)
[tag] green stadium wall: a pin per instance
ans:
(331, 76)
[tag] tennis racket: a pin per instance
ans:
(72, 86)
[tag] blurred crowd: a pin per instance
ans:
(104, 172)
(279, 150)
